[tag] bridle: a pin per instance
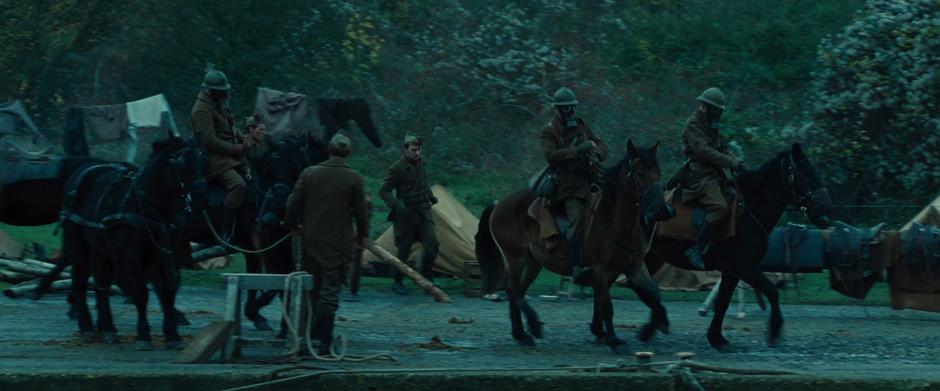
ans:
(793, 178)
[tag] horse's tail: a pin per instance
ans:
(488, 255)
(45, 282)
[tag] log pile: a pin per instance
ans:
(25, 273)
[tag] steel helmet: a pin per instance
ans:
(564, 97)
(714, 97)
(216, 80)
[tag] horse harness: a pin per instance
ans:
(123, 175)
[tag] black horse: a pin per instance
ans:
(121, 225)
(787, 179)
(276, 173)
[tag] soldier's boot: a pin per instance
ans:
(580, 274)
(325, 335)
(427, 271)
(696, 253)
(228, 221)
(399, 286)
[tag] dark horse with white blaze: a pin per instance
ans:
(616, 242)
(121, 225)
(787, 179)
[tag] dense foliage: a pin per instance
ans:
(474, 77)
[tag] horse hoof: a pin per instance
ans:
(646, 333)
(526, 341)
(109, 337)
(703, 311)
(87, 336)
(181, 320)
(143, 345)
(174, 345)
(719, 343)
(537, 331)
(262, 324)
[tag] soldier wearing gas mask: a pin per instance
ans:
(709, 161)
(573, 154)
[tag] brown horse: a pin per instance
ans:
(615, 243)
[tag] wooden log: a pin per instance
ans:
(65, 274)
(27, 287)
(390, 259)
(10, 276)
(209, 253)
(21, 267)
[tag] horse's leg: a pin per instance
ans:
(646, 289)
(163, 285)
(752, 275)
(252, 306)
(729, 281)
(530, 272)
(104, 274)
(605, 304)
(597, 324)
(139, 294)
(75, 249)
(516, 295)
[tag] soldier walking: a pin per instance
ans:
(331, 198)
(411, 209)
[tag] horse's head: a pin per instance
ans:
(639, 173)
(184, 164)
(804, 187)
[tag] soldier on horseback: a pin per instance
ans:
(573, 153)
(706, 173)
(214, 125)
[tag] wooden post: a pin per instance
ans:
(232, 307)
(439, 295)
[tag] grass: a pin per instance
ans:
(813, 288)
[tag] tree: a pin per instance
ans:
(875, 110)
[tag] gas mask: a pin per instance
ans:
(568, 114)
(714, 117)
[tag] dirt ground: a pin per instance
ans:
(826, 341)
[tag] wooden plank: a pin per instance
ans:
(209, 339)
(232, 305)
(266, 281)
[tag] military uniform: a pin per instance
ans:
(709, 159)
(568, 153)
(411, 212)
(214, 126)
(708, 169)
(331, 197)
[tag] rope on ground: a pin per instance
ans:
(236, 248)
(334, 356)
(682, 368)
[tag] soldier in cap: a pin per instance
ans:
(410, 209)
(573, 153)
(257, 141)
(214, 126)
(709, 159)
(328, 199)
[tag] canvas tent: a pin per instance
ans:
(908, 289)
(14, 119)
(281, 111)
(930, 215)
(456, 228)
(114, 132)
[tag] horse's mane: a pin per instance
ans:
(612, 172)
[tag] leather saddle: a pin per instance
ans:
(855, 258)
(794, 248)
(681, 226)
(920, 250)
(552, 222)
